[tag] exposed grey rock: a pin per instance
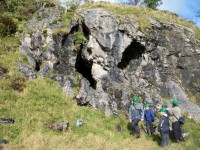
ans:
(85, 96)
(2, 70)
(102, 26)
(27, 71)
(176, 92)
(117, 61)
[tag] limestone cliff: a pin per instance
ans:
(116, 60)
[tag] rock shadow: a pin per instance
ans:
(133, 51)
(85, 69)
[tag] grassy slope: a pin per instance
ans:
(42, 101)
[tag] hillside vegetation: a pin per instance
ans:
(35, 103)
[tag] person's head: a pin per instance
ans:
(163, 110)
(175, 102)
(135, 100)
(147, 106)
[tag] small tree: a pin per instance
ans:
(152, 3)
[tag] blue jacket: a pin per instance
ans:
(149, 116)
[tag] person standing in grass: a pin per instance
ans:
(135, 115)
(149, 117)
(176, 113)
(163, 127)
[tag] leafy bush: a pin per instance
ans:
(79, 38)
(7, 26)
(152, 3)
(12, 5)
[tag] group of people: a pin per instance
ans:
(137, 113)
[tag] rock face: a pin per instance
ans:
(117, 60)
(2, 70)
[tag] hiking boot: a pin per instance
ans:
(177, 141)
(137, 136)
(181, 139)
(185, 135)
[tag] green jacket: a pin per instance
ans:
(136, 112)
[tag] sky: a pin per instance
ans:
(184, 8)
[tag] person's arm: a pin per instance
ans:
(145, 119)
(159, 125)
(170, 111)
(142, 110)
(152, 115)
(130, 109)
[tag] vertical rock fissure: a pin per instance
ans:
(85, 69)
(133, 51)
(38, 65)
(86, 31)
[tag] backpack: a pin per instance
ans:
(7, 121)
(181, 120)
(60, 125)
(3, 141)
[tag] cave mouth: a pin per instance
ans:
(38, 65)
(85, 69)
(133, 51)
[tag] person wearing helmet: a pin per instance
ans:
(136, 113)
(149, 117)
(163, 127)
(176, 113)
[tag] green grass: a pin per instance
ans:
(41, 101)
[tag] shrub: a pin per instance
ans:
(79, 38)
(7, 26)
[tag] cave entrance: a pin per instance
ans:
(133, 51)
(85, 68)
(38, 65)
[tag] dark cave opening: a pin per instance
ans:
(38, 65)
(85, 68)
(133, 51)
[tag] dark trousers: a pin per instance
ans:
(135, 126)
(164, 138)
(149, 127)
(177, 131)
